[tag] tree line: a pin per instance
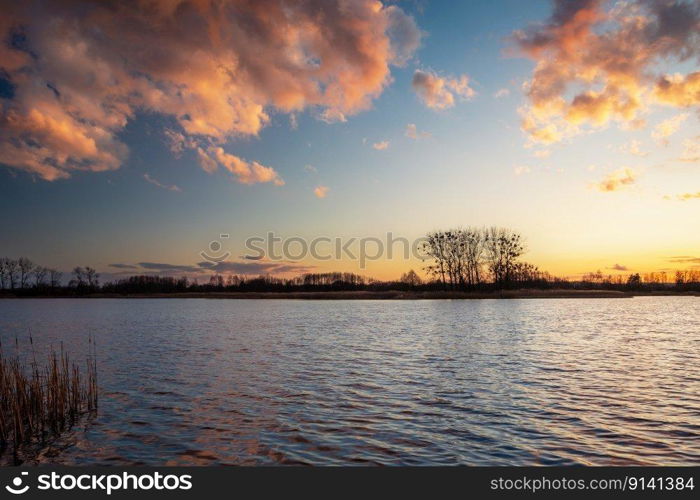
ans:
(456, 259)
(22, 273)
(466, 258)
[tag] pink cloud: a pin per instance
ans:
(244, 171)
(219, 68)
(595, 65)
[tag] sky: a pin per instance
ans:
(134, 134)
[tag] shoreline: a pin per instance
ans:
(377, 295)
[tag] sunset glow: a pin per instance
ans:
(132, 135)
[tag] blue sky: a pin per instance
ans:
(476, 167)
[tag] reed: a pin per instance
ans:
(40, 401)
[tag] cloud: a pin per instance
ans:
(677, 90)
(441, 93)
(153, 181)
(691, 150)
(80, 71)
(163, 267)
(293, 121)
(685, 259)
(244, 171)
(543, 153)
(123, 266)
(595, 66)
(619, 267)
(413, 133)
(633, 147)
(684, 196)
(501, 93)
(321, 191)
(332, 116)
(522, 169)
(177, 142)
(206, 267)
(381, 146)
(255, 268)
(667, 128)
(310, 169)
(616, 180)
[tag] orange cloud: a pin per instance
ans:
(441, 93)
(678, 90)
(667, 128)
(321, 191)
(595, 66)
(245, 172)
(685, 196)
(616, 180)
(381, 146)
(219, 68)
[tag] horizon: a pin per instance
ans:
(576, 125)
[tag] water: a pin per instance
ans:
(485, 382)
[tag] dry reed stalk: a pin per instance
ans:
(37, 403)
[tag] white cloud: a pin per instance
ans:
(667, 128)
(633, 147)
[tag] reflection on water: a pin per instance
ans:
(583, 381)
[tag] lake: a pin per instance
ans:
(435, 382)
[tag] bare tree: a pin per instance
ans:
(411, 278)
(457, 256)
(78, 280)
(435, 247)
(55, 278)
(92, 277)
(4, 280)
(473, 254)
(503, 248)
(40, 273)
(25, 271)
(11, 268)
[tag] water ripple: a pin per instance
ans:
(517, 382)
